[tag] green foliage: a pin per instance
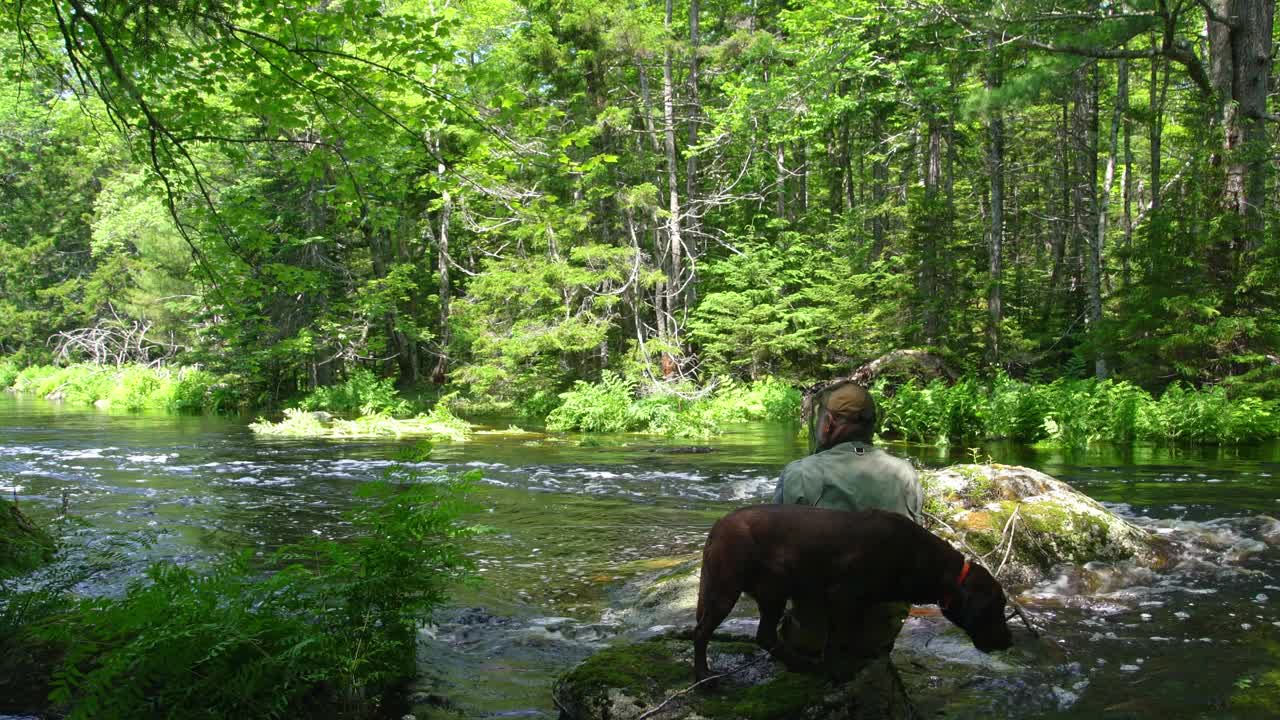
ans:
(361, 393)
(438, 423)
(503, 225)
(9, 369)
(330, 631)
(137, 387)
(1073, 414)
(130, 387)
(605, 406)
(612, 405)
(23, 545)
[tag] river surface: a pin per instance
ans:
(575, 517)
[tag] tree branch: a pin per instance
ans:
(1213, 15)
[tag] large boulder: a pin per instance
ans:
(1022, 523)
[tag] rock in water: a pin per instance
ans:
(984, 508)
(627, 681)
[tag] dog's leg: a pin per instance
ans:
(772, 603)
(714, 605)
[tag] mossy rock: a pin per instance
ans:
(626, 681)
(23, 545)
(975, 505)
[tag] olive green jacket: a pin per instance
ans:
(852, 476)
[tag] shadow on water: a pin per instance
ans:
(573, 517)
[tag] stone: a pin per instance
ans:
(933, 672)
(628, 681)
(978, 507)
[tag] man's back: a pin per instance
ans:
(852, 476)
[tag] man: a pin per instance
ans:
(847, 473)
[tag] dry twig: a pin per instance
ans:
(686, 691)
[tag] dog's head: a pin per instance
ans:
(976, 603)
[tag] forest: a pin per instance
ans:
(522, 228)
(503, 197)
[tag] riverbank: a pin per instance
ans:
(1063, 413)
(128, 387)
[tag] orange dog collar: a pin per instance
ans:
(946, 597)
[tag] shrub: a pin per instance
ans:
(598, 407)
(32, 379)
(137, 387)
(769, 399)
(86, 384)
(332, 632)
(612, 405)
(362, 393)
(192, 390)
(9, 370)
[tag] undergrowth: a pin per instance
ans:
(129, 387)
(322, 629)
(362, 393)
(438, 423)
(616, 404)
(1072, 413)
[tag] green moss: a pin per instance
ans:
(23, 546)
(1257, 696)
(640, 669)
(438, 424)
(980, 489)
(786, 695)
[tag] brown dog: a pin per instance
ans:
(843, 560)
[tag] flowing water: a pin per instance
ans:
(574, 517)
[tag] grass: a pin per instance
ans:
(439, 423)
(129, 387)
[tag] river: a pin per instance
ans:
(574, 517)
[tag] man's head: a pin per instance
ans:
(848, 413)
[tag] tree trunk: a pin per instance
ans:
(995, 128)
(1157, 126)
(695, 112)
(1126, 180)
(1104, 201)
(879, 193)
(1061, 229)
(928, 232)
(440, 373)
(1240, 71)
(675, 279)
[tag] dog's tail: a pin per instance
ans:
(702, 581)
